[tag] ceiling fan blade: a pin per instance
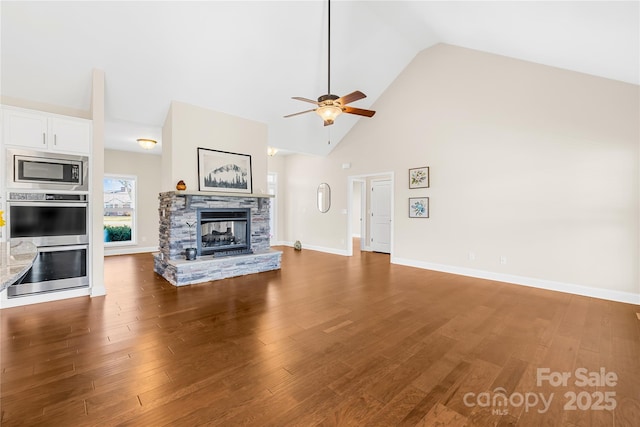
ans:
(299, 98)
(354, 96)
(297, 114)
(358, 111)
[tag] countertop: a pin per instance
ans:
(15, 259)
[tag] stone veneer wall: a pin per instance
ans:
(177, 209)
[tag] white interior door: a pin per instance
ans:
(381, 216)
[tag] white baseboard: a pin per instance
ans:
(334, 251)
(98, 291)
(342, 252)
(569, 288)
(128, 251)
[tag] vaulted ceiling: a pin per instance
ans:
(249, 58)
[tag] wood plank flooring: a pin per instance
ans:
(326, 341)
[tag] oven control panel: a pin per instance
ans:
(45, 197)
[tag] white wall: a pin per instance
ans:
(58, 109)
(528, 162)
(303, 221)
(167, 183)
(147, 169)
(97, 174)
(188, 127)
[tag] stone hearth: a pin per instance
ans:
(179, 208)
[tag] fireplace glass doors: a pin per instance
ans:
(223, 232)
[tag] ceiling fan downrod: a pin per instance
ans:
(328, 47)
(329, 106)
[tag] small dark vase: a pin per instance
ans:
(190, 253)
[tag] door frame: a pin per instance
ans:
(390, 176)
(273, 207)
(363, 211)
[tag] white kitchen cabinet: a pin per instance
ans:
(46, 132)
(25, 129)
(73, 135)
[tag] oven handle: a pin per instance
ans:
(61, 248)
(45, 204)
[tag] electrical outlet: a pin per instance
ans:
(472, 256)
(503, 260)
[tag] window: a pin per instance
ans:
(119, 210)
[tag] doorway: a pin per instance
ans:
(362, 215)
(358, 209)
(272, 189)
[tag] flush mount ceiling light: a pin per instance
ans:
(331, 106)
(147, 144)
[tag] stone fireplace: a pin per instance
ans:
(231, 233)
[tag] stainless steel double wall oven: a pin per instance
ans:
(47, 204)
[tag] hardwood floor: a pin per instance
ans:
(328, 340)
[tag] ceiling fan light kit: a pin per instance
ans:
(328, 113)
(331, 106)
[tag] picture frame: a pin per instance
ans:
(419, 177)
(418, 207)
(224, 171)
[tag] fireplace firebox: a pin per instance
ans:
(224, 231)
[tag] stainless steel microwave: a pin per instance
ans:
(46, 171)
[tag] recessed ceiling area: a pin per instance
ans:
(249, 58)
(122, 135)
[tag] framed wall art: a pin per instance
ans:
(419, 177)
(418, 207)
(224, 171)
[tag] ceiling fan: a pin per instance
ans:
(331, 106)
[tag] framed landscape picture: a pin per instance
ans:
(418, 207)
(224, 171)
(419, 177)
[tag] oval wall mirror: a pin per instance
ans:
(324, 197)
